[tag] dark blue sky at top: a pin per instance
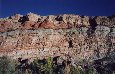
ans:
(55, 7)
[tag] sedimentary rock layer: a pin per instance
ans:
(35, 36)
(49, 42)
(65, 21)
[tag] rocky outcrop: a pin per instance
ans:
(48, 42)
(34, 21)
(35, 36)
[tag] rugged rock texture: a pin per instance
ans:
(34, 21)
(78, 37)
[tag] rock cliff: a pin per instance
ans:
(75, 36)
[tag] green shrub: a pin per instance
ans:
(76, 70)
(42, 66)
(49, 66)
(7, 66)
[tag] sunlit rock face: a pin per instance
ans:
(35, 36)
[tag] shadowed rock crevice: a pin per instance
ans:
(70, 43)
(93, 25)
(23, 19)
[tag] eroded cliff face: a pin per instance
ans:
(78, 37)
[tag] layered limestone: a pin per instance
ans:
(35, 36)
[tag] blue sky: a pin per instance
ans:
(55, 7)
